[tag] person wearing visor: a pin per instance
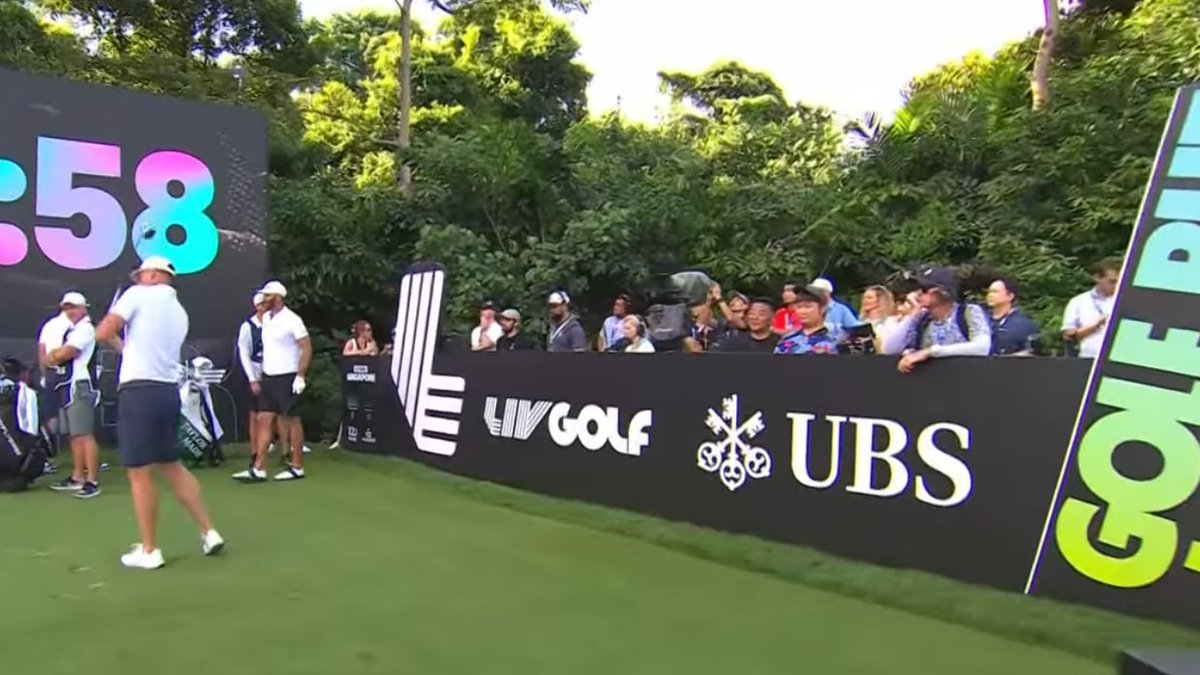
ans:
(155, 326)
(69, 375)
(566, 333)
(943, 326)
(250, 355)
(287, 353)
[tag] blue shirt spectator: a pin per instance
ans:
(838, 316)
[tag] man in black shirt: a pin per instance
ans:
(1013, 333)
(513, 339)
(758, 337)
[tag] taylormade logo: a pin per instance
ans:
(417, 319)
(593, 426)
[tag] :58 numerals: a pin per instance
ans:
(59, 161)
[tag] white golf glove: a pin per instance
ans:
(298, 385)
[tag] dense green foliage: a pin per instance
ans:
(520, 190)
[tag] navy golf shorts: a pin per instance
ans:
(147, 421)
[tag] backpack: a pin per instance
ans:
(960, 318)
(665, 323)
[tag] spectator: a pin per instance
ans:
(813, 335)
(361, 342)
(566, 334)
(707, 329)
(838, 316)
(513, 339)
(785, 318)
(758, 338)
(611, 332)
(1013, 333)
(1088, 313)
(879, 309)
(737, 305)
(943, 328)
(634, 331)
(484, 336)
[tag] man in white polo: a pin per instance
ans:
(287, 352)
(69, 376)
(155, 326)
(250, 354)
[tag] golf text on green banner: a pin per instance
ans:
(1124, 521)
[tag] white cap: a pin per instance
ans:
(73, 299)
(258, 298)
(155, 263)
(823, 284)
(559, 298)
(274, 288)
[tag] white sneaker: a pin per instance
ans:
(307, 449)
(137, 558)
(270, 448)
(211, 543)
(251, 476)
(290, 473)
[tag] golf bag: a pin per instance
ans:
(199, 433)
(22, 451)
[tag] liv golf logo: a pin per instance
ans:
(417, 319)
(732, 457)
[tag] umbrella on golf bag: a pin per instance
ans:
(199, 433)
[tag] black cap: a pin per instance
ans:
(487, 304)
(938, 277)
(814, 293)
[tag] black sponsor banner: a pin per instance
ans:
(1123, 530)
(94, 179)
(361, 389)
(948, 469)
(944, 470)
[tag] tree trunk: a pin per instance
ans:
(404, 132)
(1040, 84)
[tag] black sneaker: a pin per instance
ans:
(68, 485)
(88, 491)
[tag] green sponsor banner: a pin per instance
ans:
(1123, 527)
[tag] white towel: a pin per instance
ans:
(27, 409)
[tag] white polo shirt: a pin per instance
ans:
(156, 326)
(52, 332)
(83, 338)
(281, 334)
(1084, 310)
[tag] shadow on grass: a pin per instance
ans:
(1094, 634)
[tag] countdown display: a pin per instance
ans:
(94, 179)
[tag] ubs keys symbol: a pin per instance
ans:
(14, 245)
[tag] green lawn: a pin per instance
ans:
(380, 566)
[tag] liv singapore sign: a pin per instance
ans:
(1126, 515)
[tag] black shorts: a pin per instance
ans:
(277, 396)
(147, 423)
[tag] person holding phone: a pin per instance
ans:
(488, 332)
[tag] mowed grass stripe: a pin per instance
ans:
(370, 567)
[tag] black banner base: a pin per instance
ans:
(1160, 662)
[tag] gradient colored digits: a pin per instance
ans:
(187, 211)
(59, 161)
(14, 246)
